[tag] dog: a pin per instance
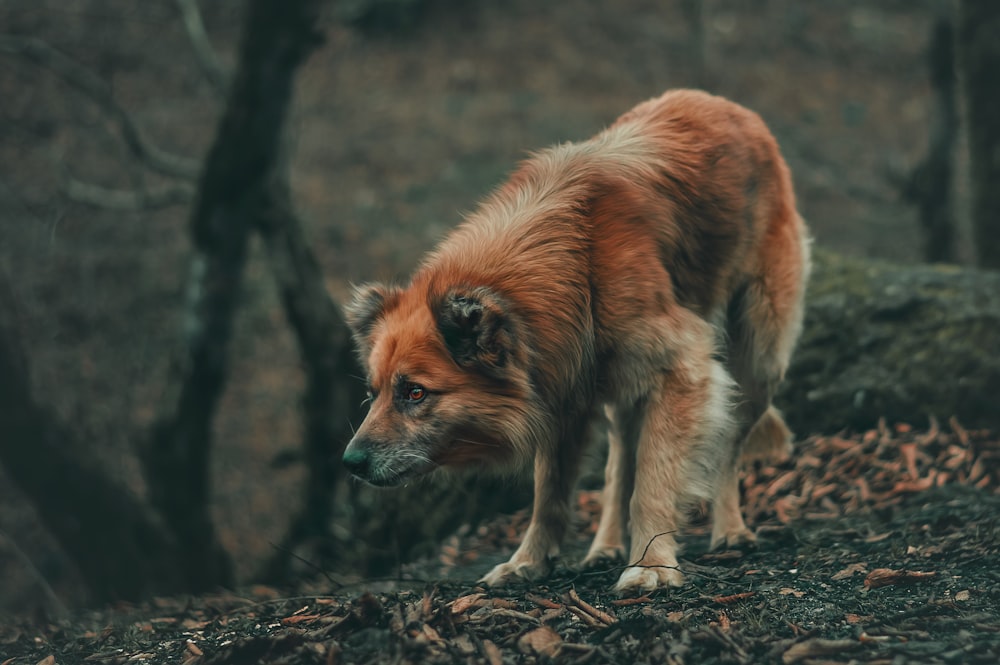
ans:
(656, 270)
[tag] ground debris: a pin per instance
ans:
(881, 577)
(816, 647)
(803, 595)
(542, 640)
(831, 476)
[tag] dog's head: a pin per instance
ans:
(446, 382)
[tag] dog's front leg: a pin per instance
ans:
(608, 546)
(684, 432)
(555, 477)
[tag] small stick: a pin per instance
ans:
(600, 615)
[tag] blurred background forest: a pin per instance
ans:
(406, 114)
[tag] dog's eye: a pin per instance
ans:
(415, 393)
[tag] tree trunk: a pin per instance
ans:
(979, 61)
(930, 185)
(277, 36)
(122, 550)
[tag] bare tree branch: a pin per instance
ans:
(87, 82)
(208, 60)
(277, 37)
(126, 200)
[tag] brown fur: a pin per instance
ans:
(613, 271)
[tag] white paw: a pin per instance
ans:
(739, 538)
(638, 580)
(516, 571)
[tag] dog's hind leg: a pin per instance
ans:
(764, 322)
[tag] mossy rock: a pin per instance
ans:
(900, 342)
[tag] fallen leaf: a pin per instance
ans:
(463, 604)
(919, 485)
(426, 607)
(816, 646)
(877, 538)
(550, 615)
(542, 641)
(502, 603)
(780, 483)
(792, 592)
(909, 453)
(850, 571)
(492, 653)
(962, 596)
(431, 634)
(724, 623)
(977, 470)
(48, 660)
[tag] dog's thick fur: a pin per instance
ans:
(657, 269)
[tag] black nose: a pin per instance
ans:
(357, 461)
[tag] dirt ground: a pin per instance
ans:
(394, 135)
(893, 563)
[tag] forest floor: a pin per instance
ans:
(878, 548)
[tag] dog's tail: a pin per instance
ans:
(769, 439)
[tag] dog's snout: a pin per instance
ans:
(357, 461)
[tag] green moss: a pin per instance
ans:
(903, 342)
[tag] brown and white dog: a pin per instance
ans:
(657, 269)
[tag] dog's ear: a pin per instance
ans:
(368, 303)
(476, 329)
